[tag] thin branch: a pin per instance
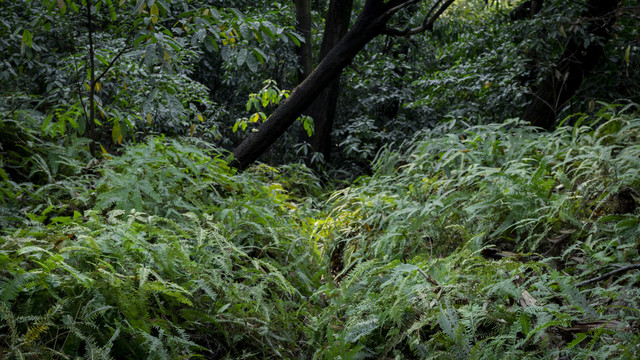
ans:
(424, 274)
(398, 32)
(120, 53)
(91, 125)
(433, 8)
(428, 25)
(80, 83)
(609, 274)
(427, 21)
(399, 7)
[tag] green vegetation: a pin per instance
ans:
(474, 251)
(443, 225)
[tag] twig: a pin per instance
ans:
(427, 21)
(424, 274)
(118, 54)
(609, 274)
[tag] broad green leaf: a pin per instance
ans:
(244, 31)
(26, 40)
(242, 56)
(73, 6)
(225, 53)
(102, 59)
(112, 10)
(294, 37)
(269, 29)
(150, 55)
(252, 63)
(211, 44)
(260, 55)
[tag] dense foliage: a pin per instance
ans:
(443, 227)
(477, 249)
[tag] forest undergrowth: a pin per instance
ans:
(472, 242)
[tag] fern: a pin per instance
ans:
(466, 244)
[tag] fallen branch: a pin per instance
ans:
(609, 274)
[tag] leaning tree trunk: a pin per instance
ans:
(323, 108)
(573, 67)
(370, 23)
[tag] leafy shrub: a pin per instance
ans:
(217, 266)
(470, 244)
(484, 242)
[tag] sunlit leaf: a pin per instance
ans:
(27, 40)
(154, 11)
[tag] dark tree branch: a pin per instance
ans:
(371, 23)
(427, 21)
(120, 53)
(609, 274)
(401, 5)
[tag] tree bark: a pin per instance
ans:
(371, 22)
(323, 108)
(303, 26)
(91, 121)
(573, 67)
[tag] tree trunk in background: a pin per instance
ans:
(526, 10)
(370, 23)
(91, 121)
(323, 109)
(573, 67)
(536, 6)
(303, 26)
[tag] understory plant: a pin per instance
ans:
(482, 242)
